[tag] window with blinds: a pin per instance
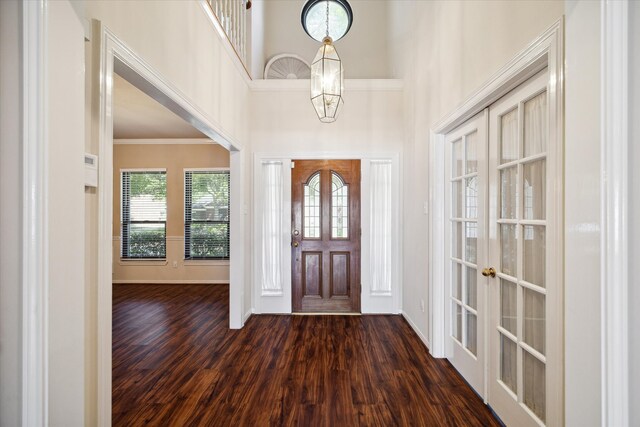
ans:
(206, 216)
(144, 214)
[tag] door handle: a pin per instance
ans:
(295, 244)
(489, 272)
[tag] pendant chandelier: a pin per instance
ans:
(327, 21)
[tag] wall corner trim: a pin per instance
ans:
(615, 212)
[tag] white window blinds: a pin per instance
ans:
(206, 227)
(144, 214)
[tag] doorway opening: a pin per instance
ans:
(116, 57)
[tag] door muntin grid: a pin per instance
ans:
(522, 244)
(311, 210)
(464, 242)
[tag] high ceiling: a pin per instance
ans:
(138, 116)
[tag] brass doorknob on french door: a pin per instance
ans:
(489, 272)
(296, 244)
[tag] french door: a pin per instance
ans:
(467, 195)
(505, 309)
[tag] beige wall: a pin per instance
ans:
(174, 158)
(10, 218)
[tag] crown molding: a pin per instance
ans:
(350, 85)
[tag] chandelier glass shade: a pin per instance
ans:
(327, 82)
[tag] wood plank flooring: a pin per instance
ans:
(176, 363)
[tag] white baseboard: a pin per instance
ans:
(415, 328)
(170, 282)
(247, 315)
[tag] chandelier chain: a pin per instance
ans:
(327, 18)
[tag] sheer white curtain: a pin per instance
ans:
(272, 215)
(381, 217)
(534, 246)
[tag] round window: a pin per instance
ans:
(314, 19)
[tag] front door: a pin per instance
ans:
(325, 245)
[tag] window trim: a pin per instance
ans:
(203, 260)
(143, 259)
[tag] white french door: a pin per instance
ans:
(504, 293)
(466, 153)
(523, 324)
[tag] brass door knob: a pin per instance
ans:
(489, 272)
(296, 244)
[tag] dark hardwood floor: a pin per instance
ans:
(176, 363)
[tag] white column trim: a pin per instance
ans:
(35, 283)
(615, 212)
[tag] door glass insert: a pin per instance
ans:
(457, 158)
(508, 362)
(471, 159)
(509, 137)
(311, 212)
(472, 291)
(534, 320)
(471, 198)
(339, 208)
(509, 249)
(457, 281)
(457, 322)
(535, 125)
(508, 192)
(472, 338)
(471, 241)
(534, 254)
(456, 195)
(509, 306)
(534, 384)
(456, 240)
(535, 190)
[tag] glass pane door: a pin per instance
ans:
(466, 190)
(518, 252)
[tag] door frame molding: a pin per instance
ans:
(34, 396)
(545, 51)
(111, 54)
(614, 211)
(281, 302)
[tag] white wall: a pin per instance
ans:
(582, 213)
(634, 256)
(10, 214)
(365, 48)
(65, 37)
(461, 44)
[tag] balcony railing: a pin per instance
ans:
(232, 16)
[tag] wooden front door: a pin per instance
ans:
(325, 245)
